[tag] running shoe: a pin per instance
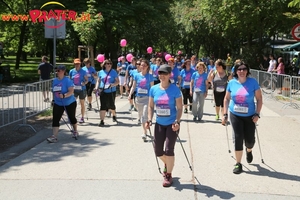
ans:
(52, 139)
(195, 119)
(81, 120)
(135, 109)
(114, 119)
(131, 107)
(90, 107)
(121, 97)
(144, 137)
(217, 117)
(185, 110)
(249, 156)
(101, 123)
(238, 168)
(75, 134)
(167, 180)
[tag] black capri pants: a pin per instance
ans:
(164, 134)
(58, 111)
(219, 98)
(89, 88)
(107, 101)
(186, 95)
(243, 130)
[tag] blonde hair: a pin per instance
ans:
(201, 64)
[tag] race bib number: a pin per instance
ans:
(186, 83)
(123, 71)
(77, 87)
(240, 108)
(106, 86)
(172, 80)
(57, 89)
(89, 75)
(142, 91)
(163, 110)
(197, 90)
(220, 88)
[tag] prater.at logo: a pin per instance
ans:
(42, 15)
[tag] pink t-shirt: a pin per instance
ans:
(280, 68)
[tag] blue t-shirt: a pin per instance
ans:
(109, 80)
(78, 77)
(186, 77)
(90, 72)
(242, 96)
(174, 75)
(62, 87)
(123, 69)
(154, 69)
(130, 68)
(133, 72)
(178, 65)
(165, 102)
(143, 84)
(199, 82)
(210, 67)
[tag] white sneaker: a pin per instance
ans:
(144, 137)
(52, 139)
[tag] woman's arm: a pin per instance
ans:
(225, 108)
(259, 102)
(132, 90)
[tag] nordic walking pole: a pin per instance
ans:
(96, 94)
(154, 150)
(226, 125)
(67, 124)
(262, 160)
(177, 132)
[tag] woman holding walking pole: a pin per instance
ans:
(167, 99)
(64, 100)
(239, 100)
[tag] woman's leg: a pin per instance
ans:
(195, 103)
(57, 113)
(201, 105)
(171, 137)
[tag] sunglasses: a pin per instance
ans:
(58, 70)
(163, 73)
(242, 69)
(138, 63)
(109, 63)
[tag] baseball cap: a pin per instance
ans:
(165, 68)
(77, 61)
(60, 67)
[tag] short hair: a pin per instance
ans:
(221, 63)
(236, 66)
(87, 60)
(201, 64)
(105, 62)
(45, 58)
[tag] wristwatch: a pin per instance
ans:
(177, 122)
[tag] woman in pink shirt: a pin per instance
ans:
(279, 70)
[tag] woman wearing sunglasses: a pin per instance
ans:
(239, 100)
(167, 99)
(64, 100)
(106, 84)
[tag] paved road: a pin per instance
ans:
(113, 162)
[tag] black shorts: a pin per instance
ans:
(107, 101)
(80, 93)
(219, 98)
(89, 88)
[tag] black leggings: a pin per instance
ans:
(58, 111)
(107, 101)
(243, 129)
(164, 134)
(186, 96)
(89, 89)
(219, 98)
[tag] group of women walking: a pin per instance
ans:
(164, 90)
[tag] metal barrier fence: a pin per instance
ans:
(18, 103)
(279, 86)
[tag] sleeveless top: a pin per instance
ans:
(219, 83)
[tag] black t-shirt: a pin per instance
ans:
(46, 69)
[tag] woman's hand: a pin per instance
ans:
(175, 127)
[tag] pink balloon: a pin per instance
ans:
(120, 58)
(100, 58)
(167, 57)
(123, 43)
(129, 57)
(179, 52)
(149, 50)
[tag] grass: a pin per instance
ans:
(27, 71)
(46, 113)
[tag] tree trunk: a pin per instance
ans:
(20, 46)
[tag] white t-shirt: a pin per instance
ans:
(272, 65)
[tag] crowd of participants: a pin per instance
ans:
(165, 89)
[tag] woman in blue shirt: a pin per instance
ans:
(198, 90)
(175, 74)
(64, 100)
(106, 84)
(167, 99)
(142, 83)
(154, 70)
(186, 75)
(239, 99)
